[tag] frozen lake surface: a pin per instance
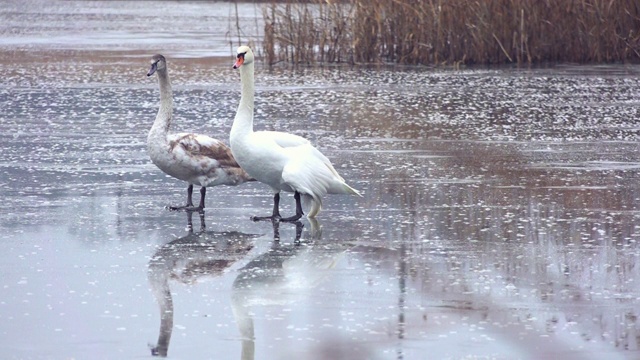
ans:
(500, 216)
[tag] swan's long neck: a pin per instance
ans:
(243, 122)
(159, 282)
(160, 128)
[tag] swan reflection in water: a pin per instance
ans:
(281, 275)
(187, 260)
(285, 274)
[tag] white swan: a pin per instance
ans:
(286, 162)
(196, 159)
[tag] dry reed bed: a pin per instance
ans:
(452, 31)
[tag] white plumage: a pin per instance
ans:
(197, 159)
(285, 162)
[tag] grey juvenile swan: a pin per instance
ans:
(196, 159)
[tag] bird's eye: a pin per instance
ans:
(242, 55)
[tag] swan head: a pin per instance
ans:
(244, 57)
(158, 63)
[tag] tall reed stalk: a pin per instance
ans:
(452, 31)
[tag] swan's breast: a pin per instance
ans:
(261, 158)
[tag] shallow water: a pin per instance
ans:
(499, 217)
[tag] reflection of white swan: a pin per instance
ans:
(286, 162)
(188, 260)
(282, 275)
(196, 159)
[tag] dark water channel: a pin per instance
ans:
(500, 216)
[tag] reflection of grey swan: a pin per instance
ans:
(196, 159)
(186, 260)
(280, 276)
(203, 226)
(286, 162)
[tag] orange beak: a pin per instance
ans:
(239, 62)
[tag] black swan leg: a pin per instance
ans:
(299, 212)
(203, 192)
(275, 215)
(189, 206)
(189, 200)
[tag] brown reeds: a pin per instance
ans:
(452, 31)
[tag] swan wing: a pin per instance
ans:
(311, 173)
(303, 176)
(282, 139)
(202, 147)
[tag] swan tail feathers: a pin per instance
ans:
(349, 190)
(342, 186)
(314, 204)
